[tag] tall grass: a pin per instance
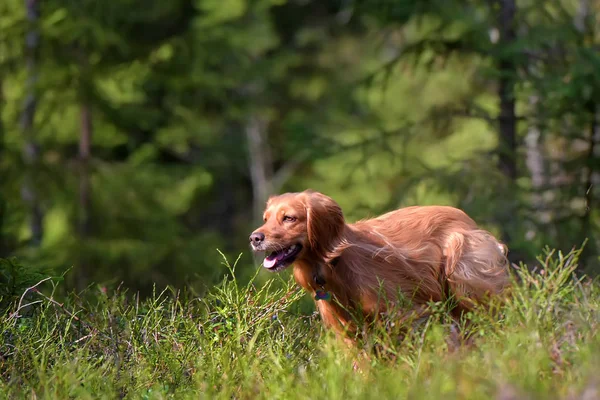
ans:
(247, 341)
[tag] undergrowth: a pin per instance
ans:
(246, 341)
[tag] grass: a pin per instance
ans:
(243, 341)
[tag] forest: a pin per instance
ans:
(136, 141)
(139, 142)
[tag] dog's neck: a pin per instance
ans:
(314, 274)
(319, 277)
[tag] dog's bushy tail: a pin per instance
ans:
(476, 266)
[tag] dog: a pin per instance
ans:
(424, 253)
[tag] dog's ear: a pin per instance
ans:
(324, 221)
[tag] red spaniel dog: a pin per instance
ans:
(428, 253)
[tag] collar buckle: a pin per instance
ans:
(321, 293)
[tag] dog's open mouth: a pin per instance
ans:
(278, 260)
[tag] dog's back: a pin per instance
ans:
(430, 253)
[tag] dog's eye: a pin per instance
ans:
(288, 218)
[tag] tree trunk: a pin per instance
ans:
(589, 170)
(1, 121)
(506, 215)
(3, 241)
(85, 144)
(535, 157)
(582, 16)
(507, 70)
(535, 162)
(83, 226)
(31, 148)
(585, 26)
(261, 165)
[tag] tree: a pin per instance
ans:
(31, 148)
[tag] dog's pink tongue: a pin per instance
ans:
(269, 262)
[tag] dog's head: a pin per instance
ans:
(302, 225)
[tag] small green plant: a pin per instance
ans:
(16, 278)
(249, 341)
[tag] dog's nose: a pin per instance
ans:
(257, 237)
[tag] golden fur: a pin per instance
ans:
(425, 252)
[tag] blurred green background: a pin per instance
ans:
(138, 137)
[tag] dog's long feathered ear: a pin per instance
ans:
(325, 223)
